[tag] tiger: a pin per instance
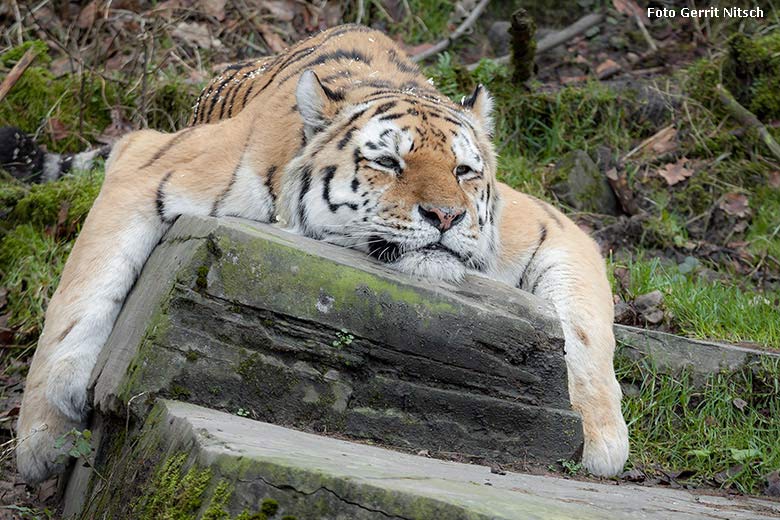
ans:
(340, 138)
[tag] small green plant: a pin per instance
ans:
(343, 339)
(80, 444)
(242, 413)
(570, 467)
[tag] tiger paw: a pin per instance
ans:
(606, 449)
(66, 389)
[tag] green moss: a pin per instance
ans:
(14, 54)
(43, 203)
(269, 507)
(179, 392)
(172, 496)
(201, 280)
(216, 508)
(192, 355)
(31, 262)
(750, 70)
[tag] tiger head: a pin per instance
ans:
(408, 179)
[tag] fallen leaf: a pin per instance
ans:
(675, 172)
(57, 129)
(607, 68)
(664, 141)
(274, 41)
(634, 475)
(773, 484)
(774, 180)
(214, 8)
(196, 34)
(119, 126)
(735, 204)
(281, 10)
(630, 8)
(739, 403)
(87, 15)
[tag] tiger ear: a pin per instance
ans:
(316, 103)
(480, 103)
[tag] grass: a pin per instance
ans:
(704, 309)
(723, 432)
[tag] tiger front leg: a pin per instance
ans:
(117, 237)
(576, 283)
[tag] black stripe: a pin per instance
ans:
(381, 109)
(160, 197)
(305, 187)
(167, 146)
(336, 55)
(540, 277)
(347, 137)
(215, 95)
(269, 178)
(327, 174)
(542, 238)
(388, 117)
(402, 63)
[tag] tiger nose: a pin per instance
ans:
(441, 218)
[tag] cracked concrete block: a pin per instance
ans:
(192, 462)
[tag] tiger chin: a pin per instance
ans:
(341, 139)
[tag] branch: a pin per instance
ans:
(553, 40)
(747, 118)
(16, 72)
(462, 28)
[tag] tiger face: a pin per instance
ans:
(408, 179)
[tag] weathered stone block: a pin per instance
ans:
(246, 318)
(192, 462)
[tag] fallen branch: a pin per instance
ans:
(553, 40)
(16, 72)
(747, 118)
(462, 28)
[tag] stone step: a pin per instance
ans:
(192, 462)
(235, 316)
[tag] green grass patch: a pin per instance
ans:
(38, 231)
(723, 432)
(705, 309)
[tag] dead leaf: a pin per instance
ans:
(196, 34)
(395, 8)
(630, 8)
(773, 484)
(57, 129)
(675, 172)
(273, 40)
(774, 180)
(634, 475)
(607, 68)
(735, 204)
(119, 126)
(664, 141)
(87, 15)
(280, 10)
(62, 217)
(739, 403)
(214, 8)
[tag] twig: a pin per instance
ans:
(462, 28)
(649, 39)
(747, 118)
(553, 40)
(361, 11)
(16, 72)
(18, 16)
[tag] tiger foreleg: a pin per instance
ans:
(117, 237)
(576, 284)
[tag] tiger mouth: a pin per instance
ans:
(388, 252)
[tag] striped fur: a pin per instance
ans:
(340, 138)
